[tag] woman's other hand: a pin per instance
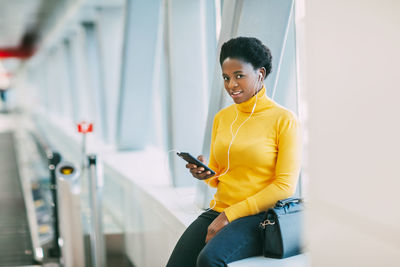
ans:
(199, 172)
(220, 222)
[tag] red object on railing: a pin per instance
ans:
(85, 127)
(16, 53)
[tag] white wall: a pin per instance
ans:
(351, 91)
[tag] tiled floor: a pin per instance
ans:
(15, 243)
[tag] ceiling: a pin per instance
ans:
(22, 23)
(17, 18)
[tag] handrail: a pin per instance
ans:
(43, 147)
(95, 194)
(53, 159)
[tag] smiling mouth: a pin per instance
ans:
(236, 94)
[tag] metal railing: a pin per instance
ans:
(53, 158)
(70, 222)
(95, 199)
(65, 185)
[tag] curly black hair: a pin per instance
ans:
(250, 50)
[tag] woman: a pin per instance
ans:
(255, 152)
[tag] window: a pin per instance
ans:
(166, 77)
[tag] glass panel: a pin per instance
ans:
(110, 36)
(70, 65)
(286, 86)
(191, 50)
(96, 97)
(63, 82)
(137, 82)
(166, 76)
(80, 73)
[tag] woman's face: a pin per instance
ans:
(241, 80)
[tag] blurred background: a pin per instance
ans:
(146, 75)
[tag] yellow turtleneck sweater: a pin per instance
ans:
(264, 158)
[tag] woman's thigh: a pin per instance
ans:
(192, 241)
(238, 240)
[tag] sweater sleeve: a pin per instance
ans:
(286, 173)
(213, 165)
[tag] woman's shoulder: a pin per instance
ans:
(227, 111)
(284, 113)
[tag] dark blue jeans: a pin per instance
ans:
(238, 240)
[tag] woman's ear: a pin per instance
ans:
(262, 72)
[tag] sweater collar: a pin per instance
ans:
(263, 103)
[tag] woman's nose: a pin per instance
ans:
(232, 84)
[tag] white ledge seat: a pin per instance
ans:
(295, 261)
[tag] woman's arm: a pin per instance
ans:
(220, 222)
(286, 173)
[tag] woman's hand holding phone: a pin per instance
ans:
(199, 172)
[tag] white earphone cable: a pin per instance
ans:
(233, 138)
(257, 82)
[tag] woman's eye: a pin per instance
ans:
(239, 76)
(225, 78)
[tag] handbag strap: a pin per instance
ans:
(270, 220)
(286, 201)
(271, 213)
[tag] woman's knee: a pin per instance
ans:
(208, 258)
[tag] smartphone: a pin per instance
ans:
(192, 160)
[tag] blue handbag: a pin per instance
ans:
(282, 229)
